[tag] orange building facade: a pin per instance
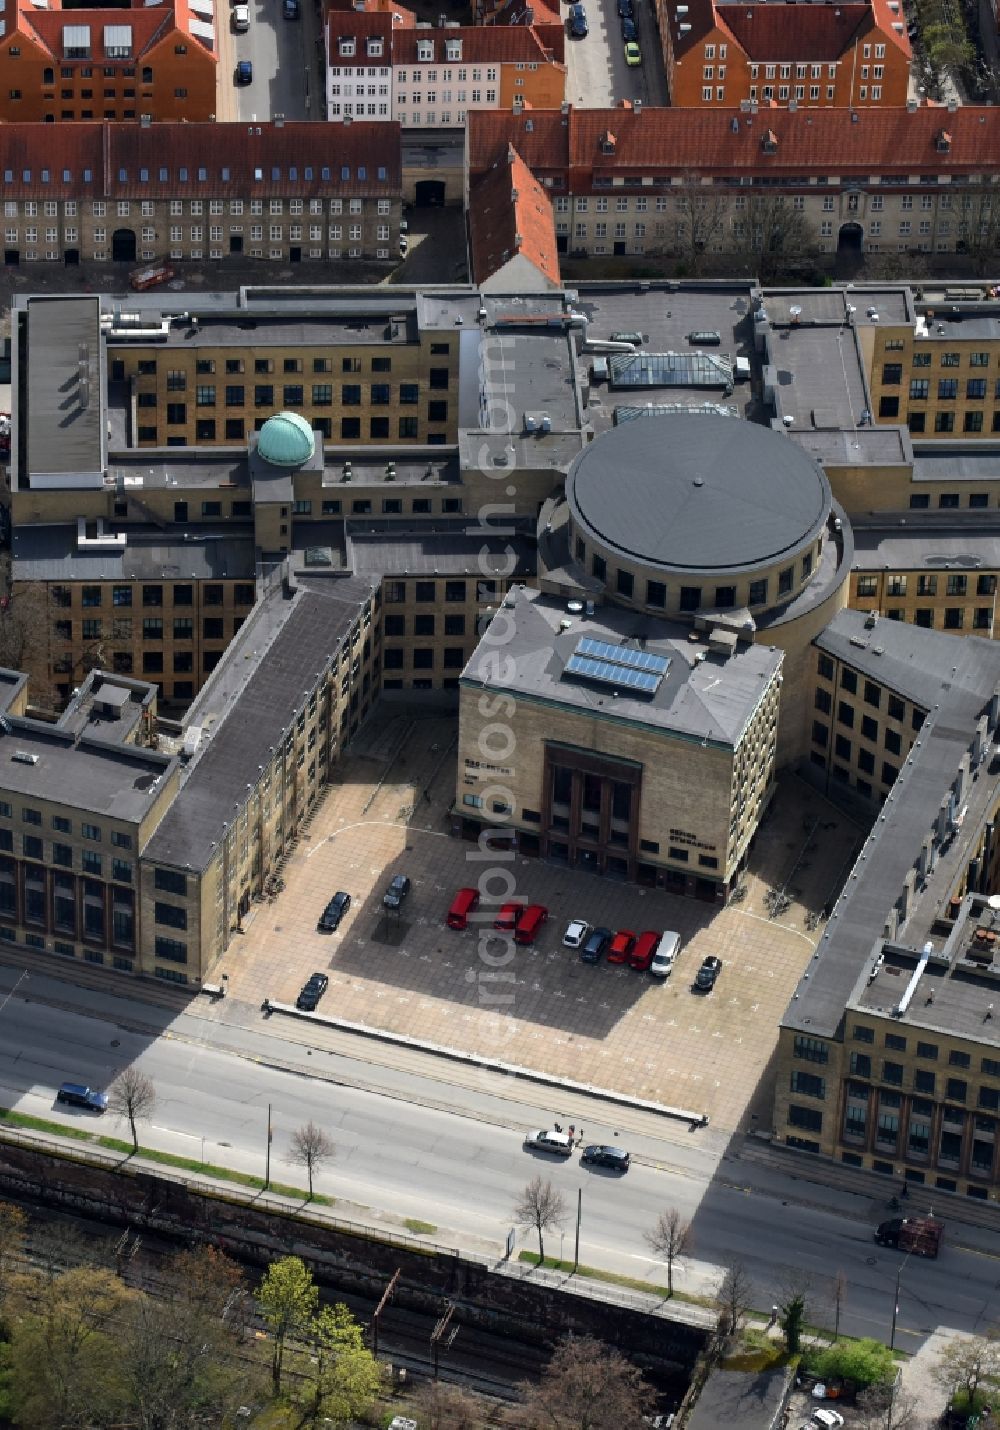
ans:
(722, 54)
(62, 65)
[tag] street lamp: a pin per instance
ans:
(895, 1303)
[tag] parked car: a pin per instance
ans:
(576, 932)
(397, 891)
(633, 55)
(462, 905)
(241, 18)
(508, 916)
(558, 1143)
(629, 31)
(593, 950)
(642, 954)
(626, 10)
(708, 973)
(621, 946)
(578, 26)
(244, 72)
(404, 245)
(312, 991)
(614, 1157)
(666, 953)
(78, 1094)
(530, 923)
(291, 8)
(828, 1419)
(329, 919)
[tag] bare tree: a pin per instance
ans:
(839, 1295)
(26, 632)
(438, 1405)
(735, 1297)
(775, 232)
(132, 1096)
(886, 1407)
(311, 1148)
(979, 229)
(967, 1361)
(587, 1386)
(672, 1240)
(702, 214)
(542, 1207)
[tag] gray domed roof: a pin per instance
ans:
(286, 440)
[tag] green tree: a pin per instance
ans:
(866, 1362)
(792, 1315)
(64, 1364)
(340, 1377)
(288, 1298)
(966, 1362)
(13, 1241)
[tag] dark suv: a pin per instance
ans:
(597, 941)
(704, 979)
(78, 1094)
(329, 919)
(312, 991)
(614, 1157)
(396, 892)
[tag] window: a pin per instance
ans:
(170, 915)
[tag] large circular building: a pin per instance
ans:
(685, 512)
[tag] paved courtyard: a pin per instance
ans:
(537, 1006)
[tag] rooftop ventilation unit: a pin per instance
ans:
(24, 757)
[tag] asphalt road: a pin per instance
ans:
(285, 74)
(452, 1156)
(597, 75)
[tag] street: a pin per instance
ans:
(597, 75)
(448, 1152)
(285, 64)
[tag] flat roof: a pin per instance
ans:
(956, 462)
(100, 776)
(952, 323)
(870, 303)
(459, 552)
(65, 372)
(246, 708)
(686, 493)
(818, 377)
(134, 469)
(710, 699)
(196, 553)
(313, 326)
(952, 678)
(855, 447)
(932, 546)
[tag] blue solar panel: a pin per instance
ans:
(622, 677)
(623, 655)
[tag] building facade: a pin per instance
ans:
(121, 193)
(636, 180)
(61, 65)
(718, 52)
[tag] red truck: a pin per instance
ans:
(919, 1234)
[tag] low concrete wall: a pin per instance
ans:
(526, 1310)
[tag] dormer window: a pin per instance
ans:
(425, 50)
(346, 46)
(374, 49)
(943, 142)
(453, 49)
(608, 142)
(769, 143)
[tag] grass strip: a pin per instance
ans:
(614, 1278)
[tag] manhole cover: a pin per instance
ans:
(871, 1260)
(116, 1042)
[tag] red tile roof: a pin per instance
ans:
(510, 214)
(481, 44)
(149, 24)
(404, 19)
(157, 161)
(809, 32)
(675, 142)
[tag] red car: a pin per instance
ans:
(530, 923)
(621, 946)
(508, 916)
(642, 954)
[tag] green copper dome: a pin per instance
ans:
(286, 440)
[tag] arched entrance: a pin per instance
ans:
(123, 245)
(429, 193)
(851, 238)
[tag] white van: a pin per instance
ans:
(241, 18)
(665, 956)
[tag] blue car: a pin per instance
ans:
(244, 72)
(578, 26)
(593, 950)
(629, 33)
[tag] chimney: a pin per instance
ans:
(564, 108)
(911, 106)
(518, 241)
(279, 121)
(146, 120)
(637, 106)
(348, 118)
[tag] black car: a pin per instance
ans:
(312, 992)
(707, 974)
(614, 1157)
(78, 1094)
(625, 10)
(291, 9)
(629, 31)
(597, 941)
(578, 27)
(329, 919)
(396, 892)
